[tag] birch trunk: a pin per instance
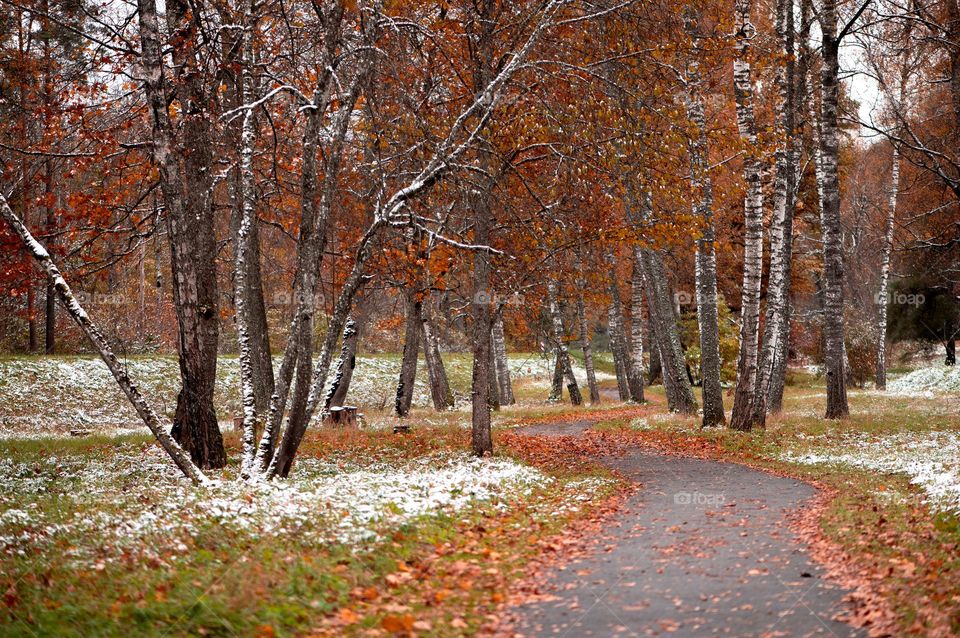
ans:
(93, 333)
(556, 384)
(503, 364)
(559, 343)
(741, 417)
(411, 350)
(706, 258)
(636, 325)
(837, 406)
(297, 356)
(190, 227)
(616, 350)
(242, 253)
(439, 384)
(587, 348)
(676, 382)
(621, 348)
(585, 335)
(343, 373)
(777, 324)
(881, 373)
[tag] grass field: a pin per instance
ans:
(378, 534)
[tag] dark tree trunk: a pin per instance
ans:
(32, 340)
(656, 370)
(436, 371)
(503, 364)
(411, 350)
(676, 381)
(619, 344)
(184, 165)
(951, 347)
(260, 355)
(343, 373)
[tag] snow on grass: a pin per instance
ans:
(539, 368)
(49, 396)
(134, 503)
(927, 382)
(930, 459)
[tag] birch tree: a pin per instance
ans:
(777, 324)
(96, 338)
(741, 417)
(834, 349)
(706, 257)
(189, 222)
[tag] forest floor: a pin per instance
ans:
(379, 534)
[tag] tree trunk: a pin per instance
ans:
(314, 204)
(636, 326)
(676, 382)
(881, 372)
(585, 334)
(656, 370)
(436, 371)
(616, 350)
(837, 406)
(411, 350)
(505, 386)
(190, 228)
(494, 387)
(260, 354)
(741, 417)
(100, 343)
(556, 384)
(481, 439)
(706, 259)
(619, 343)
(951, 347)
(297, 421)
(32, 341)
(243, 252)
(777, 324)
(343, 373)
(560, 344)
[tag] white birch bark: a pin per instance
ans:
(102, 346)
(560, 345)
(885, 252)
(636, 324)
(837, 406)
(706, 257)
(585, 344)
(777, 324)
(740, 418)
(248, 204)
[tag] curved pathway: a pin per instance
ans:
(702, 549)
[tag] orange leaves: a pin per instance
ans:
(398, 624)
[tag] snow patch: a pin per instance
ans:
(930, 459)
(927, 382)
